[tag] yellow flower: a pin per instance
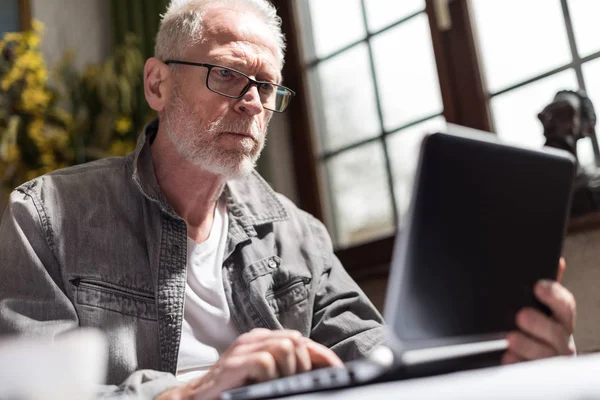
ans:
(65, 117)
(41, 75)
(11, 77)
(58, 137)
(33, 40)
(121, 148)
(37, 25)
(48, 160)
(34, 100)
(13, 36)
(123, 125)
(35, 128)
(116, 148)
(30, 60)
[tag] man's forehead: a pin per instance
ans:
(242, 33)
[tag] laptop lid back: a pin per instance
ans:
(486, 221)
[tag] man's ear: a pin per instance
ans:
(156, 83)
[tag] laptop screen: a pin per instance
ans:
(486, 222)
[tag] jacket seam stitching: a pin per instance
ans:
(44, 222)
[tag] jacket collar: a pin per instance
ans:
(250, 200)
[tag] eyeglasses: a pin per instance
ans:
(234, 84)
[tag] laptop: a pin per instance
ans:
(486, 221)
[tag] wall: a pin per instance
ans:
(277, 157)
(582, 277)
(80, 25)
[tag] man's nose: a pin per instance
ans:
(250, 102)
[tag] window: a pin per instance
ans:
(375, 75)
(374, 90)
(527, 64)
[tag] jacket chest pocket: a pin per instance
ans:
(280, 286)
(109, 296)
(282, 297)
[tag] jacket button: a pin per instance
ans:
(169, 318)
(272, 264)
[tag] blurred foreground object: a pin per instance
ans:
(568, 118)
(70, 367)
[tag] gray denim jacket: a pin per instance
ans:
(98, 245)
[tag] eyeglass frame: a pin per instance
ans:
(251, 82)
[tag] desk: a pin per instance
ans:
(557, 378)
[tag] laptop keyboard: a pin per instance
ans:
(354, 373)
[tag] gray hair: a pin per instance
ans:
(181, 25)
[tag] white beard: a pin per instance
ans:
(197, 141)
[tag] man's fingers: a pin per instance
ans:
(177, 393)
(303, 360)
(261, 367)
(258, 334)
(560, 301)
(283, 351)
(262, 355)
(322, 356)
(238, 371)
(234, 372)
(510, 358)
(527, 348)
(548, 330)
(302, 356)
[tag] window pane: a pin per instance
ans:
(381, 13)
(361, 197)
(335, 24)
(515, 112)
(584, 15)
(585, 152)
(406, 73)
(9, 16)
(404, 147)
(520, 39)
(347, 98)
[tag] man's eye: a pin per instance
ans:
(224, 73)
(266, 88)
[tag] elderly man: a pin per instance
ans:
(181, 253)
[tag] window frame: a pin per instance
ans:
(25, 15)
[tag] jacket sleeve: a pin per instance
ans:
(32, 297)
(344, 318)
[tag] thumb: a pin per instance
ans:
(562, 266)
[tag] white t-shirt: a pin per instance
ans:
(207, 329)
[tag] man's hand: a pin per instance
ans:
(257, 356)
(542, 336)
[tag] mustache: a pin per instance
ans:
(236, 126)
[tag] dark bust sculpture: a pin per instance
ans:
(568, 118)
